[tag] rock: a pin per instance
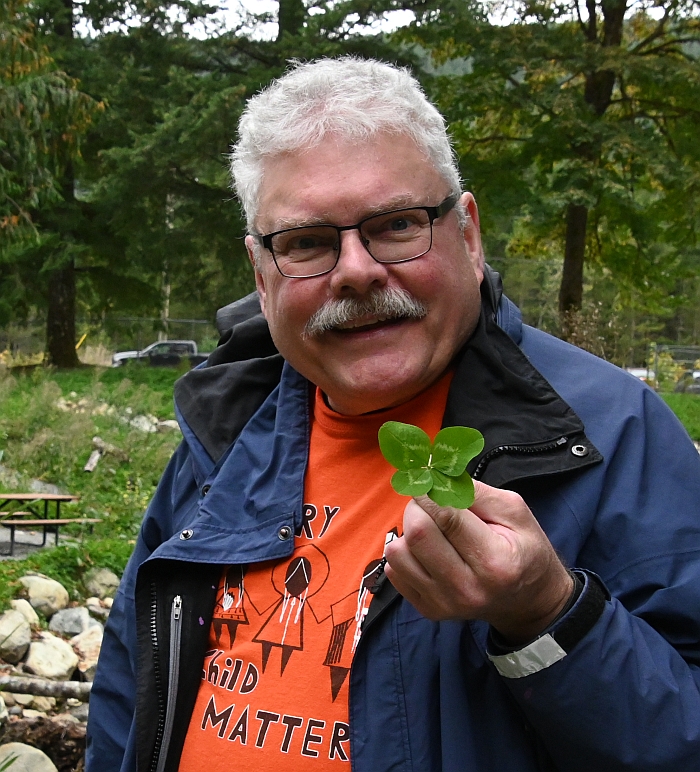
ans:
(51, 657)
(71, 621)
(101, 582)
(81, 712)
(168, 425)
(24, 700)
(44, 704)
(144, 423)
(4, 715)
(15, 636)
(65, 718)
(9, 698)
(73, 702)
(39, 486)
(87, 647)
(31, 713)
(25, 608)
(107, 602)
(46, 595)
(27, 759)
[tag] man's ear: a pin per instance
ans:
(250, 246)
(472, 234)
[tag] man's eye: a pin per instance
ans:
(399, 224)
(304, 242)
(391, 225)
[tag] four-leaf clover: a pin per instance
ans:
(437, 468)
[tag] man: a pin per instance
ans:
(284, 608)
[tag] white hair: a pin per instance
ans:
(348, 97)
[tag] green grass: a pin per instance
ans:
(39, 440)
(687, 408)
(67, 564)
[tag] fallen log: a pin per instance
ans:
(107, 448)
(92, 462)
(62, 742)
(45, 688)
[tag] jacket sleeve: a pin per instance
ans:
(627, 695)
(112, 699)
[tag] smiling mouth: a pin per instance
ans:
(362, 325)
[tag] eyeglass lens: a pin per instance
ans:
(392, 237)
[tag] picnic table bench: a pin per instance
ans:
(49, 526)
(34, 510)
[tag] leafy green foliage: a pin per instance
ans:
(590, 105)
(437, 468)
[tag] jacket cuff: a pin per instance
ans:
(562, 635)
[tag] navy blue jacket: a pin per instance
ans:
(424, 695)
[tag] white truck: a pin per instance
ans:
(163, 353)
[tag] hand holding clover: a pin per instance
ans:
(468, 551)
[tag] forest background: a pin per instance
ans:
(575, 124)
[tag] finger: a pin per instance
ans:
(498, 506)
(401, 561)
(405, 572)
(425, 556)
(470, 535)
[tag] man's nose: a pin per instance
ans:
(357, 271)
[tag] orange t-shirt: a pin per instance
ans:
(274, 690)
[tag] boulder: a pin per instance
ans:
(46, 595)
(51, 657)
(87, 647)
(101, 582)
(15, 636)
(27, 759)
(81, 712)
(32, 713)
(71, 621)
(4, 715)
(25, 608)
(44, 704)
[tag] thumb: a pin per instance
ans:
(454, 523)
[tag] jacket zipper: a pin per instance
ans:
(542, 447)
(166, 717)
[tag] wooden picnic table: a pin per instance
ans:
(36, 510)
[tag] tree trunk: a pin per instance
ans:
(571, 290)
(598, 92)
(290, 17)
(60, 322)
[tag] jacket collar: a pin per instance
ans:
(529, 429)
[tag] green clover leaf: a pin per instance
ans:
(437, 468)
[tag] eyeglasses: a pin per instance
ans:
(391, 237)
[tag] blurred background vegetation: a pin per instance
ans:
(575, 124)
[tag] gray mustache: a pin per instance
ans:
(392, 303)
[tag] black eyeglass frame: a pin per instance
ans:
(433, 212)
